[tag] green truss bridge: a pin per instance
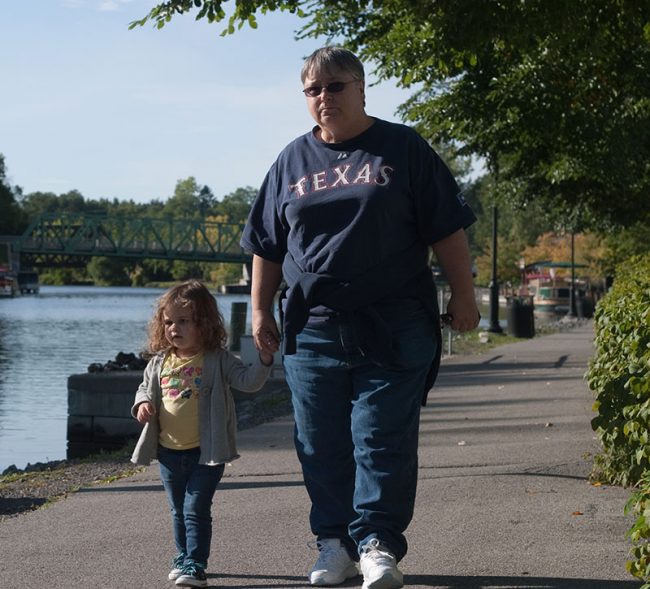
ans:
(70, 239)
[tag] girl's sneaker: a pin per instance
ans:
(177, 566)
(192, 575)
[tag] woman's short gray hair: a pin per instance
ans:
(331, 60)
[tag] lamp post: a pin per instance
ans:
(523, 289)
(572, 287)
(494, 284)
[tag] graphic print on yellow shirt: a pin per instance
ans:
(180, 381)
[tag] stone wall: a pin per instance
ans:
(99, 409)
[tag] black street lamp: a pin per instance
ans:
(494, 283)
(572, 287)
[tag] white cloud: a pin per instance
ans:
(108, 6)
(112, 5)
(101, 6)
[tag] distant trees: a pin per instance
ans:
(12, 219)
(190, 200)
(110, 271)
(236, 205)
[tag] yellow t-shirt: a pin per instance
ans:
(180, 381)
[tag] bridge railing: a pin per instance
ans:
(98, 235)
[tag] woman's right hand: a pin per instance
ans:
(265, 332)
(145, 412)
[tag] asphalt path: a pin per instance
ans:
(504, 500)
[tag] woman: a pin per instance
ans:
(346, 215)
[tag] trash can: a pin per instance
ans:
(584, 307)
(520, 316)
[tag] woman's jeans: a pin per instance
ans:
(357, 428)
(190, 487)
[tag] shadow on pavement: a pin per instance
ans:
(430, 581)
(14, 505)
(223, 486)
(523, 582)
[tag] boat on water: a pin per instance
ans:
(25, 282)
(550, 297)
(8, 286)
(553, 297)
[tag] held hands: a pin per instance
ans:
(462, 315)
(266, 358)
(265, 334)
(145, 412)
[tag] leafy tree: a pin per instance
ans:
(184, 270)
(12, 220)
(235, 206)
(37, 203)
(518, 228)
(551, 93)
(556, 247)
(507, 263)
(224, 273)
(60, 276)
(207, 200)
(72, 202)
(156, 270)
(187, 201)
(110, 271)
(212, 10)
(632, 241)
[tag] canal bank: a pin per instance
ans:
(44, 339)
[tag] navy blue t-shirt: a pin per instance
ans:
(342, 209)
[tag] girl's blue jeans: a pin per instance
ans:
(190, 487)
(357, 426)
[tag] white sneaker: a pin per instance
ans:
(334, 564)
(379, 567)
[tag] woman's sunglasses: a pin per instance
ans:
(332, 88)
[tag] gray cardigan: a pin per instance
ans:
(217, 418)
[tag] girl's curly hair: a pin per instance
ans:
(192, 295)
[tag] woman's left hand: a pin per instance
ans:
(265, 332)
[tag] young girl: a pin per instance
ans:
(188, 413)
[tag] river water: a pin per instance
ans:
(46, 338)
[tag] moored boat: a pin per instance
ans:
(553, 297)
(8, 286)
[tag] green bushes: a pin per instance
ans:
(619, 375)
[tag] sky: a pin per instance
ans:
(87, 104)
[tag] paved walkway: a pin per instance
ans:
(503, 498)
